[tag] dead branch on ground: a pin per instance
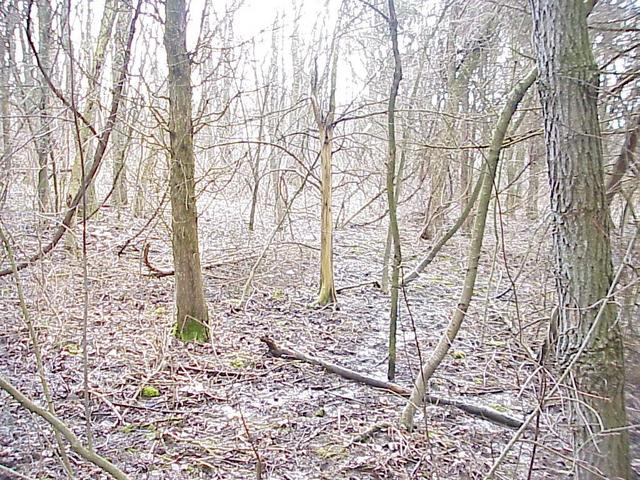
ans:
(485, 413)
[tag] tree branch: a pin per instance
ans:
(483, 412)
(66, 432)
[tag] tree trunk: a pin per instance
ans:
(120, 140)
(569, 90)
(391, 196)
(533, 186)
(43, 143)
(6, 37)
(327, 291)
(191, 308)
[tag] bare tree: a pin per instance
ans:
(191, 307)
(587, 317)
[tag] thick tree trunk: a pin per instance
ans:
(568, 90)
(191, 308)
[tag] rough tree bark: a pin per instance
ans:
(191, 308)
(568, 91)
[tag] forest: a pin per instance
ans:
(331, 239)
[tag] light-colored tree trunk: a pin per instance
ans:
(43, 143)
(120, 140)
(6, 37)
(192, 315)
(569, 79)
(327, 290)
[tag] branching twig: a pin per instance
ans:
(98, 157)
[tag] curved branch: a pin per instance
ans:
(488, 177)
(60, 427)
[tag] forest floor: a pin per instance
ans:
(223, 404)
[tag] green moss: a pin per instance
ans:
(499, 408)
(149, 392)
(134, 427)
(72, 348)
(129, 428)
(238, 363)
(458, 355)
(278, 294)
(192, 331)
(332, 450)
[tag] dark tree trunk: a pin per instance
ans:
(568, 89)
(191, 308)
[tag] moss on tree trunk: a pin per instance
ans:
(191, 308)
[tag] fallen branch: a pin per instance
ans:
(155, 271)
(159, 273)
(66, 432)
(485, 413)
(373, 283)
